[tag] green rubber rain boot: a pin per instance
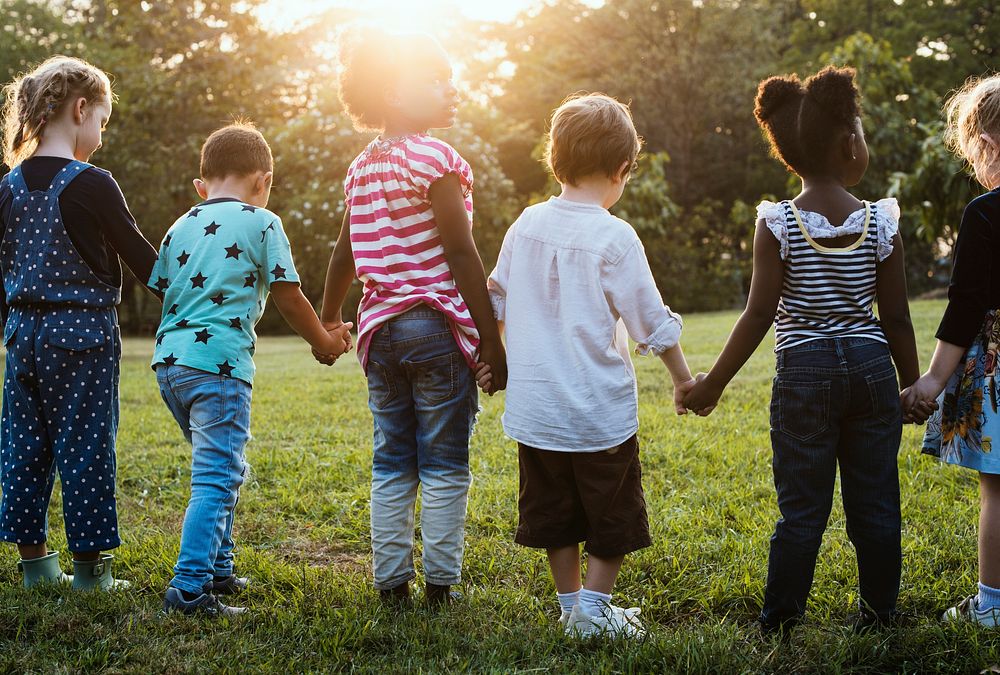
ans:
(44, 570)
(96, 575)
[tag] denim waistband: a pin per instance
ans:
(420, 312)
(832, 344)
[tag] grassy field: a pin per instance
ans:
(302, 527)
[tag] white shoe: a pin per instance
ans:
(564, 618)
(968, 610)
(614, 622)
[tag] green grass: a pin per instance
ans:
(302, 528)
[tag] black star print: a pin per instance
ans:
(233, 251)
(161, 284)
(250, 280)
(183, 258)
(264, 232)
(278, 272)
(170, 360)
(202, 336)
(211, 228)
(159, 339)
(198, 280)
(235, 323)
(247, 207)
(193, 213)
(253, 347)
(183, 323)
(218, 299)
(166, 240)
(225, 368)
(172, 310)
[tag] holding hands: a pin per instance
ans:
(919, 400)
(338, 342)
(703, 396)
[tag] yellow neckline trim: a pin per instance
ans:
(826, 249)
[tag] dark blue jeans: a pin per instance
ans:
(834, 401)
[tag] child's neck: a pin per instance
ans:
(396, 128)
(229, 188)
(597, 193)
(56, 142)
(823, 184)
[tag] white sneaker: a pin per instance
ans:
(614, 622)
(968, 610)
(564, 618)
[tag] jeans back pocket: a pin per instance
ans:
(883, 388)
(436, 379)
(803, 408)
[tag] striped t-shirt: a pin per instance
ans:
(829, 292)
(398, 255)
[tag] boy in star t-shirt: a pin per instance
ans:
(216, 266)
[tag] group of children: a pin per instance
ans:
(551, 325)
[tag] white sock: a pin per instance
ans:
(593, 603)
(989, 598)
(567, 601)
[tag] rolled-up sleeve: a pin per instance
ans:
(632, 293)
(969, 291)
(497, 283)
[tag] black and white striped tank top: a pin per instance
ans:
(828, 292)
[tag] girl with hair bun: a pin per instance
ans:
(820, 261)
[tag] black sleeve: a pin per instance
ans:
(6, 205)
(969, 292)
(109, 209)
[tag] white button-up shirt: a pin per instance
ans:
(572, 283)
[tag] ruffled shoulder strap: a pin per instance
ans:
(887, 221)
(774, 217)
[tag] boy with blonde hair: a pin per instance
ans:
(572, 283)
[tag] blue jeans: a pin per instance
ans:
(424, 402)
(834, 402)
(213, 411)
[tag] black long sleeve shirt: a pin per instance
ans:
(975, 276)
(96, 218)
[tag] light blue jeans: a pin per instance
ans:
(424, 402)
(213, 411)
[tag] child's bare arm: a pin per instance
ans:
(752, 326)
(680, 374)
(466, 266)
(339, 275)
(894, 314)
(301, 316)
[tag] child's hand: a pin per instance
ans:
(338, 342)
(919, 400)
(703, 396)
(680, 391)
(484, 378)
(336, 328)
(494, 357)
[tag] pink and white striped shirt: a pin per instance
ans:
(398, 254)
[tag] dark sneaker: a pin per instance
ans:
(399, 595)
(441, 595)
(206, 603)
(866, 620)
(231, 585)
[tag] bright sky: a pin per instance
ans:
(283, 14)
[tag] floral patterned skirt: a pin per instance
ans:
(962, 429)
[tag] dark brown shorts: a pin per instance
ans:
(572, 497)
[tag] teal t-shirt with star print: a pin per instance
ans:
(215, 269)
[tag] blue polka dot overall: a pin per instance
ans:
(60, 389)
